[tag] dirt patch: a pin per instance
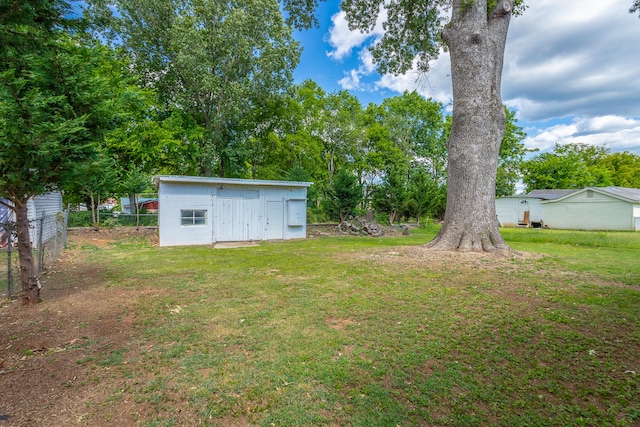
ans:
(48, 375)
(107, 236)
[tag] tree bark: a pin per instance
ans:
(94, 218)
(476, 41)
(28, 272)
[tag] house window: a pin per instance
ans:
(193, 217)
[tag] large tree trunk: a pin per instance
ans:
(28, 272)
(476, 41)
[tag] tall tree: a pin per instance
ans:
(213, 59)
(391, 196)
(344, 195)
(511, 156)
(54, 104)
(341, 129)
(623, 168)
(580, 165)
(475, 37)
(416, 126)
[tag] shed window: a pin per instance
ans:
(193, 217)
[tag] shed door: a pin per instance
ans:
(230, 225)
(275, 220)
(239, 216)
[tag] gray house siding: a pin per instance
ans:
(608, 208)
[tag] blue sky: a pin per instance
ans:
(572, 71)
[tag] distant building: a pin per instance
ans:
(38, 207)
(591, 208)
(595, 208)
(525, 210)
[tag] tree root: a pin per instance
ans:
(470, 242)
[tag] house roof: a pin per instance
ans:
(227, 181)
(549, 194)
(631, 195)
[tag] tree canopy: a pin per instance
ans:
(59, 95)
(217, 61)
(579, 165)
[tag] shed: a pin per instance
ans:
(517, 211)
(525, 210)
(201, 211)
(595, 208)
(44, 206)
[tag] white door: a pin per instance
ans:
(275, 220)
(239, 217)
(230, 224)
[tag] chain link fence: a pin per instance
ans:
(48, 238)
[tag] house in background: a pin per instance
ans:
(39, 207)
(591, 208)
(202, 211)
(525, 210)
(595, 208)
(148, 203)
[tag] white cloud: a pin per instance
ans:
(436, 84)
(351, 81)
(366, 58)
(343, 40)
(573, 58)
(613, 132)
(352, 78)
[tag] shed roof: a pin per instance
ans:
(631, 195)
(227, 181)
(549, 194)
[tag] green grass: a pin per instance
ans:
(350, 331)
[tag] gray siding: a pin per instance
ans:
(589, 210)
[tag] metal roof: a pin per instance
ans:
(631, 195)
(549, 194)
(227, 181)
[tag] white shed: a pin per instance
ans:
(517, 211)
(595, 208)
(525, 210)
(201, 211)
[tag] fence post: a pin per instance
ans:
(64, 228)
(9, 245)
(40, 248)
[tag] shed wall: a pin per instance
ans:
(47, 204)
(510, 210)
(589, 210)
(232, 213)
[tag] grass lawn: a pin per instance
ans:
(354, 331)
